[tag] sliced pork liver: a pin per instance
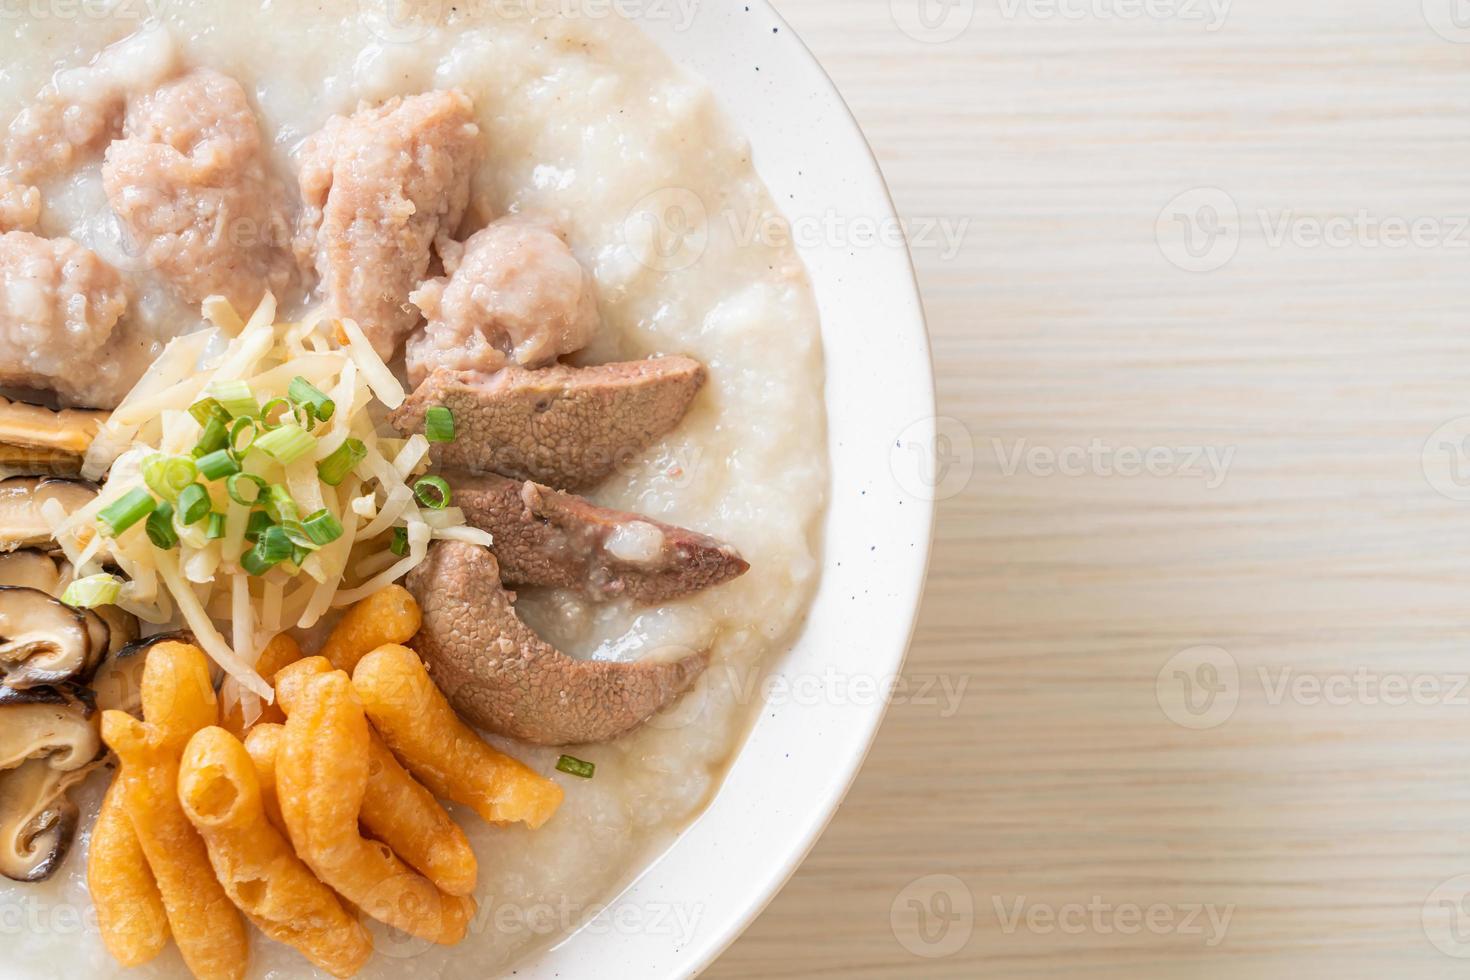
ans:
(547, 538)
(563, 426)
(504, 678)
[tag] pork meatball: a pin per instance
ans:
(58, 305)
(379, 188)
(189, 182)
(20, 206)
(517, 295)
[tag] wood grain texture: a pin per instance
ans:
(1324, 811)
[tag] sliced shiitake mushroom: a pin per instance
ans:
(59, 733)
(31, 568)
(34, 439)
(37, 820)
(21, 500)
(43, 641)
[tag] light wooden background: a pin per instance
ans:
(1322, 823)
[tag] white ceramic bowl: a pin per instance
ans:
(804, 750)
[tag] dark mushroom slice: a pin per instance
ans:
(21, 500)
(504, 678)
(567, 427)
(37, 821)
(545, 537)
(42, 641)
(31, 568)
(58, 733)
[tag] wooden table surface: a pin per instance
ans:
(1198, 621)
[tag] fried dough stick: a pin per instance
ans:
(130, 912)
(221, 796)
(321, 778)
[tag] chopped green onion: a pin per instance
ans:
(296, 534)
(298, 554)
(92, 591)
(576, 767)
(258, 522)
(166, 476)
(275, 412)
(304, 393)
(439, 424)
(432, 492)
(160, 527)
(214, 438)
(322, 528)
(344, 459)
(207, 409)
(286, 444)
(249, 428)
(236, 484)
(400, 541)
(215, 528)
(272, 549)
(194, 504)
(126, 511)
(218, 465)
(236, 398)
(279, 505)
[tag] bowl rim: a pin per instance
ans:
(618, 954)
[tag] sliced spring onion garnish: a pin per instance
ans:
(166, 476)
(286, 444)
(214, 438)
(206, 409)
(241, 427)
(322, 528)
(296, 534)
(259, 520)
(576, 767)
(274, 413)
(236, 398)
(160, 527)
(439, 424)
(272, 549)
(214, 528)
(432, 492)
(194, 504)
(126, 511)
(400, 541)
(245, 488)
(92, 591)
(344, 459)
(280, 505)
(303, 392)
(218, 465)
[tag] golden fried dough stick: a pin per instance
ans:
(278, 653)
(447, 756)
(396, 808)
(321, 777)
(130, 910)
(205, 923)
(389, 616)
(178, 694)
(262, 743)
(262, 875)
